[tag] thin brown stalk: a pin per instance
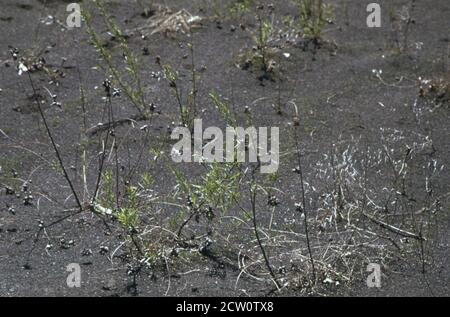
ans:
(55, 147)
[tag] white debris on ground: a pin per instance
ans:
(21, 69)
(169, 23)
(102, 210)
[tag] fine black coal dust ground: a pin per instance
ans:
(364, 121)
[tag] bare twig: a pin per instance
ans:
(302, 186)
(55, 147)
(253, 192)
(393, 229)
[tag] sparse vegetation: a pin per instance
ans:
(314, 16)
(187, 106)
(261, 56)
(133, 88)
(86, 164)
(401, 21)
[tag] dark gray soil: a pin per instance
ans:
(338, 96)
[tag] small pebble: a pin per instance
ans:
(86, 252)
(104, 250)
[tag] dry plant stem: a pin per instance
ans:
(180, 106)
(115, 147)
(194, 81)
(116, 155)
(111, 131)
(363, 207)
(253, 193)
(279, 97)
(262, 44)
(192, 215)
(305, 210)
(135, 242)
(141, 153)
(106, 126)
(100, 170)
(81, 88)
(174, 86)
(55, 147)
(168, 273)
(83, 100)
(395, 230)
(180, 230)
